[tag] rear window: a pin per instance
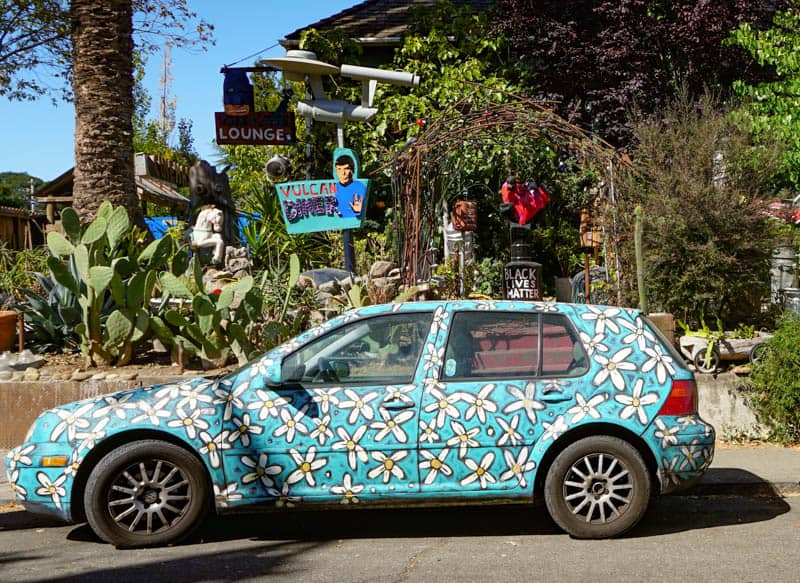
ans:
(508, 345)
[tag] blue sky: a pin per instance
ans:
(38, 137)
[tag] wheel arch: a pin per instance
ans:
(592, 430)
(98, 452)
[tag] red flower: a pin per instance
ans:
(216, 292)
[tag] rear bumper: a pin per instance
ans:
(684, 449)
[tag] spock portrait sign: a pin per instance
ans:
(326, 205)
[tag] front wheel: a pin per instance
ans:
(146, 493)
(598, 487)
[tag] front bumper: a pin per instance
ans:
(40, 489)
(684, 449)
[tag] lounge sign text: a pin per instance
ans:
(263, 128)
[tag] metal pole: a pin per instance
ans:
(347, 234)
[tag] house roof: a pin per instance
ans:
(375, 21)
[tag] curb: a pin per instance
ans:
(746, 489)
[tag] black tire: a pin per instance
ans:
(758, 352)
(125, 495)
(713, 361)
(598, 487)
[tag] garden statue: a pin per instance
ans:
(213, 213)
(207, 232)
(207, 186)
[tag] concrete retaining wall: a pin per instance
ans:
(721, 403)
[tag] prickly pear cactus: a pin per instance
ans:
(116, 283)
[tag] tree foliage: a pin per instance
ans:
(773, 107)
(36, 48)
(706, 245)
(15, 187)
(599, 58)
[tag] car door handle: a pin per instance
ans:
(555, 397)
(396, 404)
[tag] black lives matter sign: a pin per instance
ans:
(522, 281)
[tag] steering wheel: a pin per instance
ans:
(326, 371)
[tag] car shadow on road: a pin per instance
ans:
(22, 520)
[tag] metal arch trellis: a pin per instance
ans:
(474, 120)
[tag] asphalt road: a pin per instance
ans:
(683, 538)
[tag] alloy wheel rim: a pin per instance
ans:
(598, 488)
(149, 496)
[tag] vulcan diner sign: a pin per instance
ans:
(263, 128)
(326, 205)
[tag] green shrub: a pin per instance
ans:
(775, 382)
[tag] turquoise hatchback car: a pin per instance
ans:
(429, 403)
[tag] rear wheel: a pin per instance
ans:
(598, 487)
(146, 493)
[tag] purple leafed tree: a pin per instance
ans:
(600, 58)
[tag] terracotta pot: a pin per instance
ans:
(8, 329)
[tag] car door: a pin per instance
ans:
(342, 424)
(493, 398)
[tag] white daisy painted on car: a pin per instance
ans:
(639, 333)
(555, 429)
(116, 405)
(231, 397)
(442, 405)
(518, 466)
(480, 471)
(191, 422)
(659, 361)
(393, 425)
(434, 465)
(325, 398)
(463, 438)
(54, 489)
(292, 424)
(227, 493)
(348, 490)
(321, 430)
(268, 404)
(351, 443)
(593, 343)
(244, 429)
(613, 367)
(306, 466)
(20, 456)
(636, 403)
(667, 435)
(359, 405)
(479, 404)
(603, 318)
(262, 472)
(525, 400)
(427, 431)
(152, 412)
(71, 422)
(388, 466)
(586, 407)
(508, 431)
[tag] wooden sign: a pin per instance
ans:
(263, 128)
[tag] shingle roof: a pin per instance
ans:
(375, 19)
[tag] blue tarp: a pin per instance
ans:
(158, 225)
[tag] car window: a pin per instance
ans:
(562, 352)
(379, 350)
(492, 344)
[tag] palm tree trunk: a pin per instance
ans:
(103, 88)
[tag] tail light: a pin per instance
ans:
(682, 399)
